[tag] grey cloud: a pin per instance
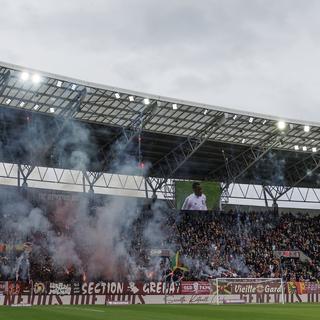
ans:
(259, 56)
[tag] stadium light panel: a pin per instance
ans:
(73, 87)
(36, 107)
(59, 83)
(131, 98)
(22, 104)
(36, 78)
(314, 149)
(205, 111)
(51, 110)
(296, 147)
(174, 106)
(24, 76)
(250, 120)
(117, 95)
(8, 101)
(304, 148)
(146, 101)
(234, 117)
(243, 140)
(306, 128)
(281, 125)
(264, 121)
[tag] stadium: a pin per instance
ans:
(113, 200)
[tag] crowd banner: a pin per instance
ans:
(287, 253)
(90, 288)
(121, 293)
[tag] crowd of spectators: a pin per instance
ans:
(210, 244)
(244, 244)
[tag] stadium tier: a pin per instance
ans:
(164, 235)
(57, 241)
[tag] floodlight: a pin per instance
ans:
(174, 106)
(314, 149)
(131, 98)
(73, 87)
(234, 117)
(306, 128)
(281, 125)
(8, 101)
(36, 78)
(25, 76)
(264, 121)
(51, 110)
(304, 148)
(36, 107)
(22, 104)
(59, 83)
(243, 140)
(146, 101)
(296, 147)
(250, 120)
(117, 95)
(205, 111)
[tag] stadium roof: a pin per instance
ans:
(167, 122)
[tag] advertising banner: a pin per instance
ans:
(234, 287)
(82, 299)
(195, 287)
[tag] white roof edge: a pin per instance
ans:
(158, 97)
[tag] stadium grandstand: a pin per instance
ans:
(140, 197)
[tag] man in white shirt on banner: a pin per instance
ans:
(196, 200)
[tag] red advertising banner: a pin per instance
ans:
(195, 287)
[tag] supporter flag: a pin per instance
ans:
(176, 263)
(292, 288)
(298, 287)
(301, 287)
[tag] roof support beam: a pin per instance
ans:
(299, 172)
(4, 80)
(237, 166)
(168, 165)
(64, 117)
(122, 142)
(74, 105)
(24, 172)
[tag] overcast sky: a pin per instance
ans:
(254, 55)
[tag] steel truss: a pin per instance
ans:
(237, 166)
(299, 172)
(4, 80)
(136, 186)
(125, 138)
(167, 166)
